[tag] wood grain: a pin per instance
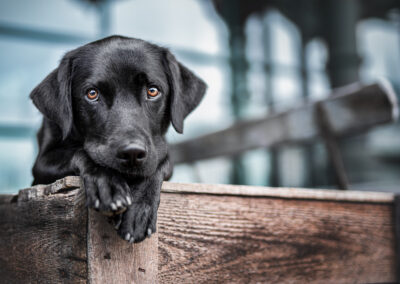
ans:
(205, 238)
(43, 239)
(279, 192)
(113, 260)
(47, 235)
(242, 190)
(207, 234)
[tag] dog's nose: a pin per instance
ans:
(133, 153)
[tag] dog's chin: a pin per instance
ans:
(134, 171)
(145, 170)
(130, 171)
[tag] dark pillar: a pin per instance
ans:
(274, 176)
(308, 150)
(239, 66)
(340, 22)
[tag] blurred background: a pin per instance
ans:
(257, 57)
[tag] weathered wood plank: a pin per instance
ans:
(226, 189)
(43, 239)
(207, 234)
(113, 260)
(206, 238)
(279, 192)
(47, 235)
(397, 233)
(348, 110)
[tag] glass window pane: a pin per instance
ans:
(379, 44)
(318, 85)
(257, 101)
(291, 166)
(316, 55)
(57, 16)
(168, 24)
(213, 112)
(17, 157)
(257, 166)
(286, 90)
(284, 38)
(210, 171)
(24, 65)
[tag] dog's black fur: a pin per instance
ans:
(90, 138)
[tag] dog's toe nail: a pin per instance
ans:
(129, 200)
(149, 232)
(132, 240)
(113, 206)
(97, 204)
(118, 224)
(119, 203)
(127, 237)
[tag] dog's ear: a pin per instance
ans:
(53, 96)
(186, 91)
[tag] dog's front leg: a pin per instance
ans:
(106, 190)
(140, 219)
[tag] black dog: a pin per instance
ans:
(106, 110)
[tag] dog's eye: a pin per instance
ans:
(153, 92)
(92, 94)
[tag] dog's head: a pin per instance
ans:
(117, 96)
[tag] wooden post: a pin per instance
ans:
(332, 147)
(397, 234)
(47, 235)
(113, 260)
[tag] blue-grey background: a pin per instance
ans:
(35, 34)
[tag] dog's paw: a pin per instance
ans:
(137, 222)
(106, 191)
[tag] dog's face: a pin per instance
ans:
(117, 96)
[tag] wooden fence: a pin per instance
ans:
(346, 112)
(206, 234)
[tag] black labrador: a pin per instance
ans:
(106, 110)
